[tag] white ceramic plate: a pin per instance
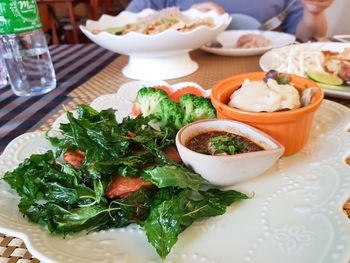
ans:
(229, 38)
(267, 62)
(295, 215)
(159, 56)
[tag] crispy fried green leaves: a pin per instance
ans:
(67, 200)
(175, 212)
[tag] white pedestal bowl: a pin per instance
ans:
(160, 56)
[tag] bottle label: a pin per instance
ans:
(18, 16)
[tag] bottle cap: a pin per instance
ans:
(18, 16)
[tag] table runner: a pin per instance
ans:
(212, 69)
(74, 65)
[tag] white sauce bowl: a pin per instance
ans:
(228, 169)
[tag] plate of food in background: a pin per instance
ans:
(327, 63)
(157, 42)
(247, 42)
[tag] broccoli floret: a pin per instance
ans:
(203, 109)
(170, 114)
(148, 99)
(196, 108)
(186, 103)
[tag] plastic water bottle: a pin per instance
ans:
(26, 55)
(3, 74)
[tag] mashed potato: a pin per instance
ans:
(260, 96)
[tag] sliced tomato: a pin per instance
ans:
(175, 96)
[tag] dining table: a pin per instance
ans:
(84, 72)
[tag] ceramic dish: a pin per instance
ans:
(159, 56)
(229, 38)
(295, 214)
(267, 62)
(291, 128)
(229, 169)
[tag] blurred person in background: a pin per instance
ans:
(306, 18)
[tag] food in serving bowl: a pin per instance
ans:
(157, 56)
(290, 127)
(158, 21)
(221, 143)
(265, 96)
(227, 169)
(273, 93)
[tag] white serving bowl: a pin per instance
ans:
(229, 169)
(159, 56)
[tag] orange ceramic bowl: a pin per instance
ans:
(291, 128)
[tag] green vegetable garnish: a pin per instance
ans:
(283, 79)
(116, 30)
(167, 20)
(230, 144)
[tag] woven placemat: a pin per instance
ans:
(13, 250)
(68, 107)
(212, 69)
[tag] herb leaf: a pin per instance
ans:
(228, 143)
(178, 211)
(172, 175)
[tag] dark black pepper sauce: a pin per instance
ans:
(205, 143)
